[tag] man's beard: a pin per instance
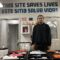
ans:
(40, 22)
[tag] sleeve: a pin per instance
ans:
(33, 35)
(49, 36)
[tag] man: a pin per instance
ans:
(41, 37)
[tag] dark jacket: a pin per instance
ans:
(41, 35)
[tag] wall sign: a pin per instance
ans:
(30, 7)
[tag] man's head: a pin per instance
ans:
(40, 19)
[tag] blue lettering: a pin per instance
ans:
(50, 9)
(20, 10)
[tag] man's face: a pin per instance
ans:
(40, 19)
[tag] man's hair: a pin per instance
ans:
(40, 16)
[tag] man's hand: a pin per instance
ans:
(49, 47)
(33, 47)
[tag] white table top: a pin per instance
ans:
(10, 57)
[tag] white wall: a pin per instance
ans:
(3, 34)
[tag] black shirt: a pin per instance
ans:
(41, 35)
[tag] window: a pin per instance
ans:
(53, 26)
